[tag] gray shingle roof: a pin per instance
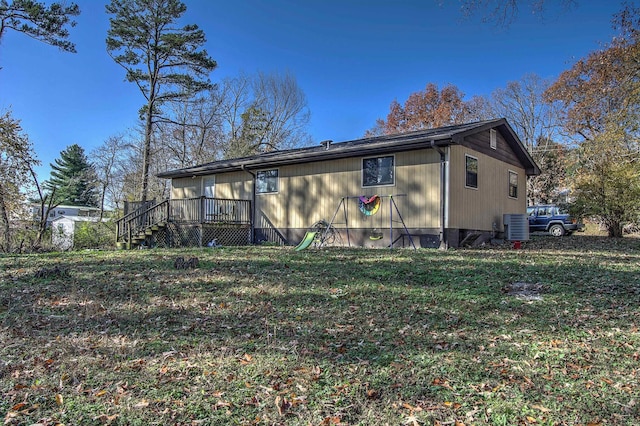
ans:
(441, 136)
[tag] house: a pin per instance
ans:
(64, 210)
(436, 186)
(64, 229)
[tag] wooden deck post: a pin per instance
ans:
(203, 200)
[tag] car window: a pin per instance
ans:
(531, 211)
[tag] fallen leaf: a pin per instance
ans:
(541, 408)
(10, 415)
(373, 394)
(142, 404)
(412, 420)
(282, 404)
(105, 419)
(222, 403)
(59, 399)
(408, 406)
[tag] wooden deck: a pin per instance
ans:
(147, 218)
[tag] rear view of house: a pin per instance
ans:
(435, 185)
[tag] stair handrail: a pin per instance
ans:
(142, 218)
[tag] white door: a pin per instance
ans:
(208, 191)
(208, 186)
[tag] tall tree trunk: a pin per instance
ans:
(614, 228)
(146, 155)
(102, 197)
(4, 217)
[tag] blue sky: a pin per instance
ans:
(350, 57)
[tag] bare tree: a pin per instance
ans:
(505, 12)
(285, 107)
(129, 176)
(195, 133)
(237, 95)
(522, 103)
(108, 160)
(536, 122)
(263, 113)
(46, 202)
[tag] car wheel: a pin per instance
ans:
(556, 230)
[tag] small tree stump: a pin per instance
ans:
(55, 272)
(181, 263)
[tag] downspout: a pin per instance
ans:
(253, 203)
(443, 193)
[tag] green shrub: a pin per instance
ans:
(94, 235)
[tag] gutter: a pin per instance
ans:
(253, 202)
(305, 155)
(444, 244)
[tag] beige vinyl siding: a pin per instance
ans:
(480, 208)
(234, 186)
(189, 187)
(310, 192)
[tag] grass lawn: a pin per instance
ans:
(546, 335)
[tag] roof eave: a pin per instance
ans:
(528, 163)
(254, 163)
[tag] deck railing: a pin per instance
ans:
(201, 210)
(210, 210)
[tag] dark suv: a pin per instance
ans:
(552, 219)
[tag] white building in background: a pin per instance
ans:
(66, 211)
(63, 229)
(63, 220)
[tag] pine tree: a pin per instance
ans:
(39, 21)
(166, 62)
(73, 179)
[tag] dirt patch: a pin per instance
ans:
(525, 291)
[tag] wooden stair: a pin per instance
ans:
(134, 229)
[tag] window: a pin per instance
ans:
(267, 181)
(513, 184)
(544, 211)
(471, 179)
(378, 171)
(493, 139)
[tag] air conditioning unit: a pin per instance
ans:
(516, 227)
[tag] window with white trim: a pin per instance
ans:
(493, 139)
(471, 172)
(378, 171)
(513, 184)
(267, 181)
